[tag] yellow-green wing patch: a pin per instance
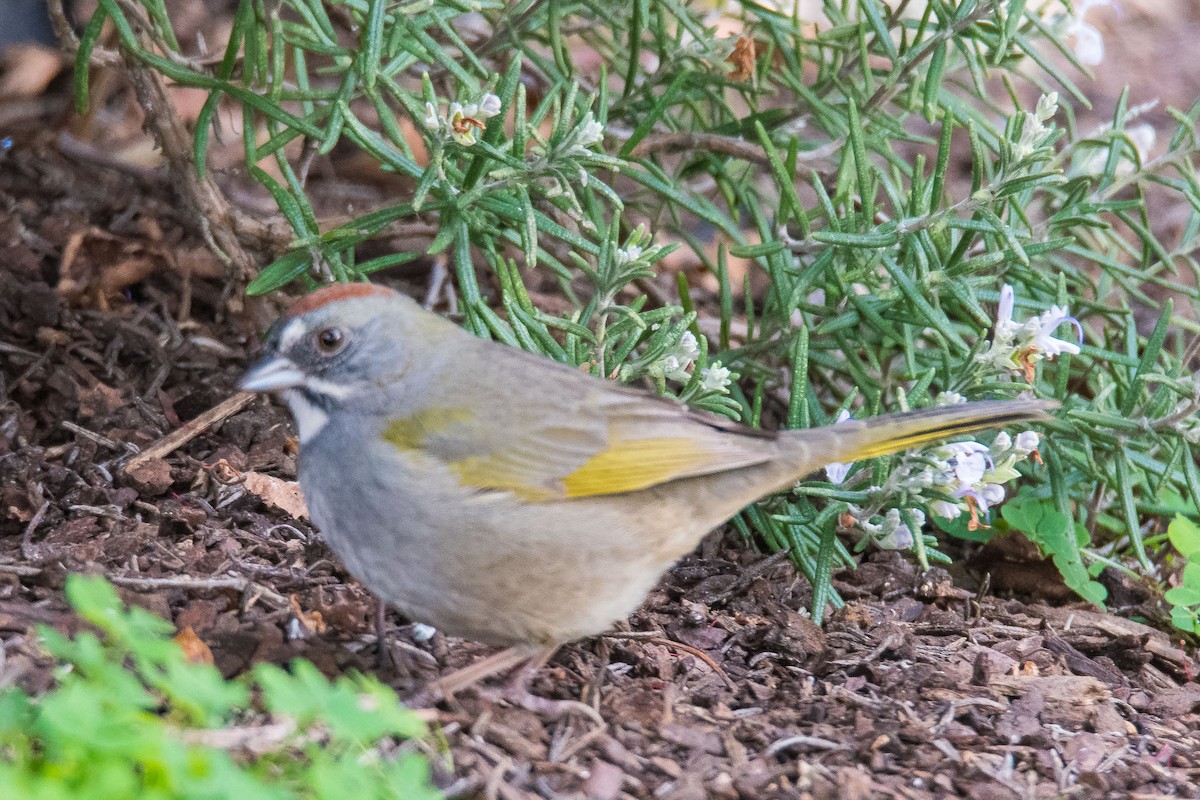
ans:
(411, 432)
(606, 443)
(637, 464)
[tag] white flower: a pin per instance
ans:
(1040, 330)
(1089, 44)
(688, 346)
(587, 133)
(950, 399)
(1017, 346)
(489, 106)
(626, 255)
(1047, 106)
(715, 378)
(970, 476)
(836, 471)
(969, 468)
(675, 363)
(1026, 442)
(1034, 133)
(1005, 327)
(892, 533)
(946, 510)
(1142, 137)
(432, 121)
(462, 125)
(462, 122)
(992, 494)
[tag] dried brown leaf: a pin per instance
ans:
(277, 493)
(194, 649)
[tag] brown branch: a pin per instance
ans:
(184, 434)
(244, 585)
(239, 240)
(69, 42)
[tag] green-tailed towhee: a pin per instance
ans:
(503, 497)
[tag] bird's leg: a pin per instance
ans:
(453, 683)
(500, 661)
(526, 661)
(515, 691)
(382, 654)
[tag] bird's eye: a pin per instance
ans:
(330, 340)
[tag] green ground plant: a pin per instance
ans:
(1184, 535)
(819, 150)
(130, 716)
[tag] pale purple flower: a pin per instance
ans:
(1043, 327)
(1026, 442)
(1017, 346)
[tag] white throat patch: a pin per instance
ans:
(309, 418)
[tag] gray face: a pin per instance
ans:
(324, 361)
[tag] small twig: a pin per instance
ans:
(815, 742)
(250, 738)
(200, 584)
(713, 142)
(750, 575)
(700, 654)
(99, 439)
(13, 350)
(79, 150)
(655, 637)
(579, 744)
(69, 42)
(20, 569)
(31, 612)
(181, 436)
(27, 549)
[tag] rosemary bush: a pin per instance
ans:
(817, 154)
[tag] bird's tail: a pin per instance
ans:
(879, 436)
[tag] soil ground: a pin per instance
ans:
(117, 328)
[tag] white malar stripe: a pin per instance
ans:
(338, 391)
(309, 418)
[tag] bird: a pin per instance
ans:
(501, 496)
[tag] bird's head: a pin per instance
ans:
(342, 348)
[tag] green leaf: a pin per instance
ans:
(280, 272)
(1055, 536)
(1182, 596)
(1185, 619)
(1185, 537)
